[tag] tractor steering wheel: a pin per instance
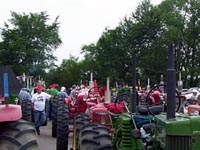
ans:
(123, 101)
(161, 103)
(93, 96)
(91, 92)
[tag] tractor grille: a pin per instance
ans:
(178, 142)
(126, 135)
(102, 118)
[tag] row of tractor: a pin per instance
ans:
(152, 120)
(128, 123)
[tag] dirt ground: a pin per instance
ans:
(46, 141)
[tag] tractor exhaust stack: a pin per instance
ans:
(171, 84)
(107, 92)
(134, 92)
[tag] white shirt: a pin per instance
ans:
(39, 100)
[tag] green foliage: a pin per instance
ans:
(29, 42)
(183, 29)
(146, 33)
(67, 74)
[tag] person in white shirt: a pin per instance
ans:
(39, 101)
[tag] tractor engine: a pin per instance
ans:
(180, 133)
(76, 106)
(99, 114)
(133, 132)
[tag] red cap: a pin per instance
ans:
(39, 88)
(53, 85)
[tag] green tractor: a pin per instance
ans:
(176, 131)
(168, 130)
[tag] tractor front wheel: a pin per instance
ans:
(95, 137)
(79, 121)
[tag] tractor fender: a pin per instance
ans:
(155, 97)
(10, 112)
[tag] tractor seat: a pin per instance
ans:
(154, 109)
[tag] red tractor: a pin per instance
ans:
(89, 104)
(94, 128)
(15, 132)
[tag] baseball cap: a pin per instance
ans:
(53, 85)
(39, 88)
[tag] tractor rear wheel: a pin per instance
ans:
(62, 126)
(94, 136)
(18, 135)
(26, 110)
(54, 116)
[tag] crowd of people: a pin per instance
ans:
(41, 99)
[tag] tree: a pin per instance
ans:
(181, 19)
(146, 34)
(109, 57)
(143, 33)
(67, 74)
(139, 35)
(29, 42)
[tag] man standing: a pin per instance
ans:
(39, 101)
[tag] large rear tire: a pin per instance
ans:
(62, 126)
(26, 107)
(54, 116)
(18, 135)
(95, 137)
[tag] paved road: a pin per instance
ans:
(46, 141)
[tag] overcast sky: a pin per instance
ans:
(81, 21)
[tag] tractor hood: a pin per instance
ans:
(182, 124)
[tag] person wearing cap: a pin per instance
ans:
(53, 92)
(39, 100)
(63, 92)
